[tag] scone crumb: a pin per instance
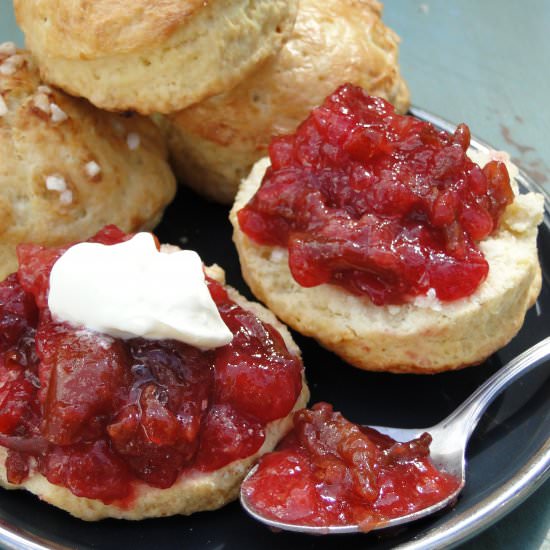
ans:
(66, 197)
(278, 254)
(92, 169)
(428, 301)
(133, 141)
(55, 182)
(43, 89)
(58, 114)
(7, 49)
(524, 214)
(11, 64)
(3, 107)
(41, 101)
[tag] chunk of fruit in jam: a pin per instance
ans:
(227, 435)
(99, 413)
(329, 471)
(381, 204)
(18, 381)
(263, 390)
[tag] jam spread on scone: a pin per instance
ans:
(329, 471)
(96, 413)
(381, 204)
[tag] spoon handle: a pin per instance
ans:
(469, 412)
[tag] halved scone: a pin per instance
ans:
(133, 428)
(395, 328)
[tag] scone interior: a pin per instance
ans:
(69, 168)
(422, 335)
(215, 142)
(152, 58)
(104, 427)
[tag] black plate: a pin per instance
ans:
(509, 454)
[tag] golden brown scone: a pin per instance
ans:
(67, 169)
(191, 493)
(426, 336)
(214, 144)
(151, 56)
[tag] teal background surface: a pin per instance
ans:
(486, 63)
(483, 62)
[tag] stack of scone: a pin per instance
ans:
(221, 79)
(228, 76)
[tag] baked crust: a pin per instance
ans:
(68, 169)
(79, 29)
(151, 57)
(192, 492)
(425, 336)
(214, 143)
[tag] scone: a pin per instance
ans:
(105, 426)
(67, 168)
(215, 143)
(151, 57)
(371, 314)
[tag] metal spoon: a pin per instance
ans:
(449, 440)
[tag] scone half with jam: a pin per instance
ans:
(377, 235)
(116, 402)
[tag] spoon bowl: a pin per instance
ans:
(449, 442)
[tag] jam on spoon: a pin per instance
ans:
(329, 471)
(331, 476)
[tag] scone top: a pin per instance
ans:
(81, 29)
(333, 42)
(152, 57)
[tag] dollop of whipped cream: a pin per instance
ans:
(132, 289)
